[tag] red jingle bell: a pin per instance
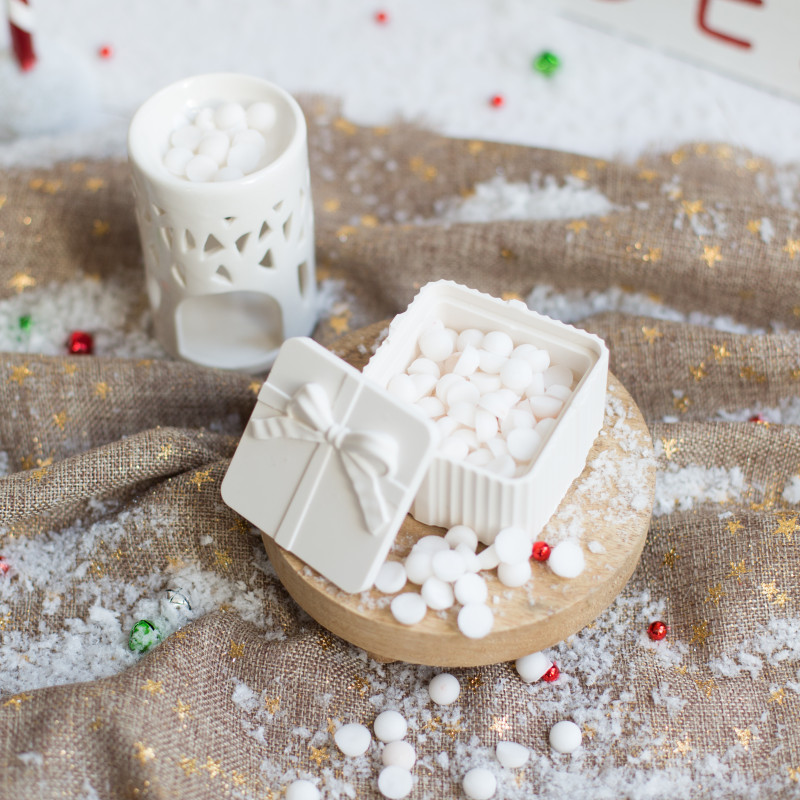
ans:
(540, 551)
(551, 674)
(80, 343)
(657, 630)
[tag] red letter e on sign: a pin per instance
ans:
(701, 21)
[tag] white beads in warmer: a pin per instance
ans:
(493, 401)
(222, 143)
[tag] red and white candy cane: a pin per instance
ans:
(21, 21)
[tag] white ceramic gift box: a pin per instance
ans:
(455, 492)
(229, 265)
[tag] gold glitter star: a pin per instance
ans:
(580, 173)
(272, 704)
(577, 225)
(361, 685)
(165, 452)
(453, 730)
(344, 126)
(734, 526)
(754, 225)
(142, 753)
(769, 590)
(325, 641)
(19, 374)
(683, 747)
(706, 686)
(60, 420)
(174, 563)
(255, 387)
(670, 558)
(237, 779)
(700, 633)
(475, 681)
(70, 369)
(319, 754)
(651, 334)
(425, 171)
(222, 559)
(237, 650)
(721, 352)
(792, 247)
(17, 700)
(181, 709)
(332, 204)
(93, 184)
(711, 255)
(154, 687)
(748, 373)
(510, 296)
(96, 724)
(101, 390)
(21, 281)
(345, 231)
(652, 255)
(715, 594)
(692, 207)
(212, 767)
(648, 175)
(188, 765)
(737, 570)
(508, 255)
(670, 447)
(340, 323)
(699, 372)
(432, 724)
(38, 474)
(100, 228)
(744, 735)
(499, 726)
(781, 599)
(199, 478)
(681, 404)
(777, 696)
(794, 774)
(787, 525)
(474, 147)
(369, 221)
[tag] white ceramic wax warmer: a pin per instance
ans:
(229, 265)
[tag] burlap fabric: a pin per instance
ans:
(229, 707)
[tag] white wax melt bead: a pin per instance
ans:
(512, 545)
(566, 560)
(494, 403)
(230, 115)
(467, 435)
(437, 594)
(545, 406)
(228, 174)
(488, 557)
(463, 392)
(536, 386)
(215, 145)
(533, 666)
(353, 739)
(249, 136)
(402, 387)
(445, 426)
(471, 563)
(485, 425)
(302, 790)
(497, 447)
(467, 362)
(205, 120)
(461, 534)
(484, 382)
(469, 337)
(499, 343)
(176, 160)
(479, 784)
(544, 427)
(408, 608)
(491, 363)
(471, 588)
(523, 443)
(395, 782)
(187, 136)
(513, 575)
(448, 565)
(424, 366)
(444, 384)
(418, 566)
(480, 458)
(391, 577)
(516, 374)
(436, 344)
(516, 418)
(512, 755)
(504, 466)
(261, 116)
(454, 449)
(432, 543)
(539, 359)
(423, 385)
(399, 754)
(390, 726)
(463, 413)
(559, 391)
(565, 736)
(246, 156)
(431, 407)
(200, 169)
(557, 374)
(444, 689)
(475, 620)
(525, 350)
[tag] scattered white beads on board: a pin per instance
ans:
(479, 784)
(408, 608)
(475, 620)
(512, 755)
(565, 737)
(353, 739)
(302, 790)
(567, 560)
(221, 144)
(390, 726)
(394, 782)
(391, 577)
(444, 689)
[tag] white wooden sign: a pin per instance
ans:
(758, 40)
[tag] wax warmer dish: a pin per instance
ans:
(454, 492)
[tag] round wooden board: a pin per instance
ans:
(546, 610)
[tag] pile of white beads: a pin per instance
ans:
(222, 143)
(493, 402)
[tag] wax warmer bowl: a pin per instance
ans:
(454, 492)
(229, 266)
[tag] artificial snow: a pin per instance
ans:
(681, 488)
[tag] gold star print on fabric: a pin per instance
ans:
(579, 173)
(777, 696)
(500, 725)
(182, 709)
(692, 207)
(734, 526)
(332, 204)
(737, 570)
(787, 525)
(101, 389)
(100, 228)
(272, 704)
(19, 374)
(711, 255)
(475, 682)
(670, 447)
(700, 633)
(94, 184)
(188, 765)
(670, 558)
(340, 323)
(698, 372)
(744, 735)
(432, 724)
(199, 478)
(683, 747)
(715, 594)
(577, 225)
(319, 754)
(453, 730)
(21, 281)
(154, 687)
(60, 420)
(651, 334)
(17, 700)
(212, 767)
(721, 352)
(707, 687)
(142, 753)
(423, 170)
(236, 650)
(648, 175)
(344, 126)
(792, 247)
(754, 225)
(222, 558)
(361, 685)
(681, 404)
